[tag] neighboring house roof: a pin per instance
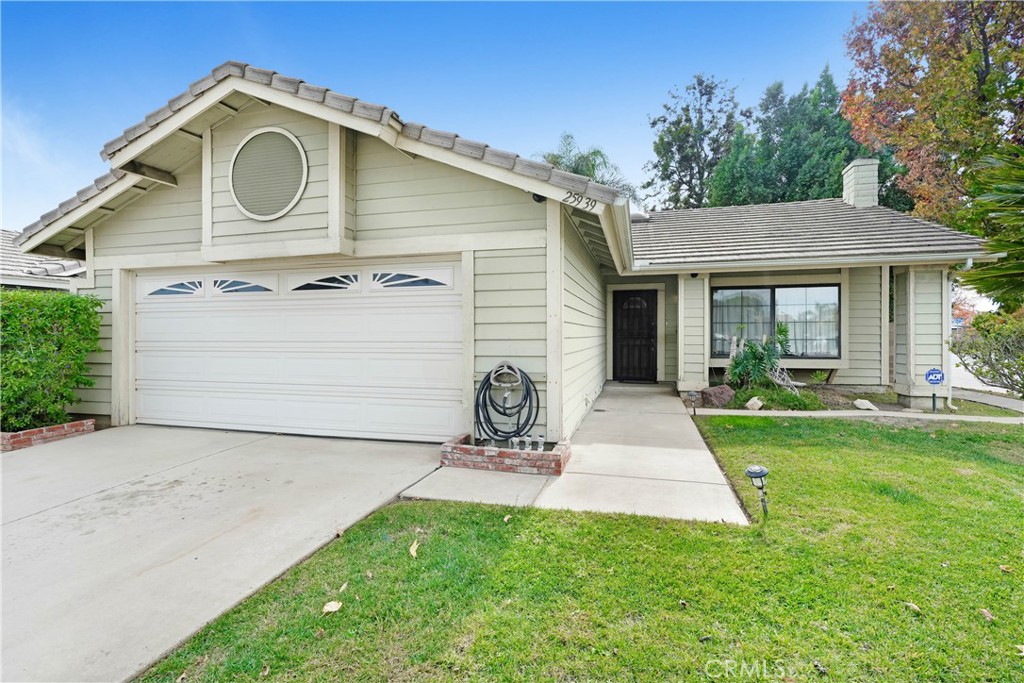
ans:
(18, 269)
(301, 90)
(826, 231)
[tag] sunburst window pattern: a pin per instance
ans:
(331, 282)
(238, 286)
(389, 280)
(179, 288)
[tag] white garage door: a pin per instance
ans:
(372, 351)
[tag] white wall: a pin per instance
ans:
(583, 330)
(402, 197)
(866, 316)
(510, 315)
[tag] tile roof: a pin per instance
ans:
(47, 271)
(344, 103)
(821, 229)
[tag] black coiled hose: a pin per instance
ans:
(520, 417)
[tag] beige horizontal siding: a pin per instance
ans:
(511, 315)
(692, 331)
(402, 197)
(583, 331)
(864, 336)
(165, 219)
(308, 218)
(929, 320)
(901, 327)
(95, 400)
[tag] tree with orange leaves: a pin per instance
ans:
(941, 84)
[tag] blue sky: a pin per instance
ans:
(74, 75)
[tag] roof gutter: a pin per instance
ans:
(645, 268)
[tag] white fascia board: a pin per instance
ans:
(35, 283)
(805, 264)
(212, 97)
(72, 217)
(611, 235)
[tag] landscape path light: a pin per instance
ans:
(693, 401)
(758, 474)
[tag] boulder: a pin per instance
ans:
(754, 403)
(717, 397)
(864, 404)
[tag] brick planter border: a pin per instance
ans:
(460, 452)
(12, 441)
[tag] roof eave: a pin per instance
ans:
(639, 267)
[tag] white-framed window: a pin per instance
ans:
(180, 288)
(811, 313)
(404, 278)
(268, 174)
(325, 283)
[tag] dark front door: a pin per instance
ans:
(635, 335)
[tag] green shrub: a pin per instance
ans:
(777, 398)
(993, 350)
(44, 340)
(754, 362)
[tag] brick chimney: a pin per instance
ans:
(860, 183)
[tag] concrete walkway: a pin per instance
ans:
(637, 452)
(1007, 402)
(118, 545)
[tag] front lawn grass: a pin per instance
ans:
(865, 521)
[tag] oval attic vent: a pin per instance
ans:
(268, 174)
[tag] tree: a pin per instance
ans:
(993, 350)
(999, 181)
(592, 163)
(691, 136)
(939, 83)
(798, 151)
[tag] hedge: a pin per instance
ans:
(45, 338)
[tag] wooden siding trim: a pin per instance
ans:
(553, 302)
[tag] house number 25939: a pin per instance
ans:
(576, 199)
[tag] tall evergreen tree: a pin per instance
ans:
(692, 135)
(797, 152)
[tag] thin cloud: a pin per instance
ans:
(39, 169)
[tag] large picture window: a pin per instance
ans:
(810, 313)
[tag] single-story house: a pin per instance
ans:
(276, 256)
(19, 270)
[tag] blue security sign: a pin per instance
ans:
(934, 376)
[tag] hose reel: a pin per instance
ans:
(507, 404)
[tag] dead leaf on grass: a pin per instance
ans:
(340, 531)
(912, 607)
(182, 678)
(266, 671)
(319, 633)
(684, 604)
(1006, 569)
(343, 587)
(988, 615)
(413, 547)
(1021, 650)
(506, 518)
(369, 576)
(331, 607)
(820, 668)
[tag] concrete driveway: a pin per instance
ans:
(118, 545)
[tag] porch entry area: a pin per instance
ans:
(635, 335)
